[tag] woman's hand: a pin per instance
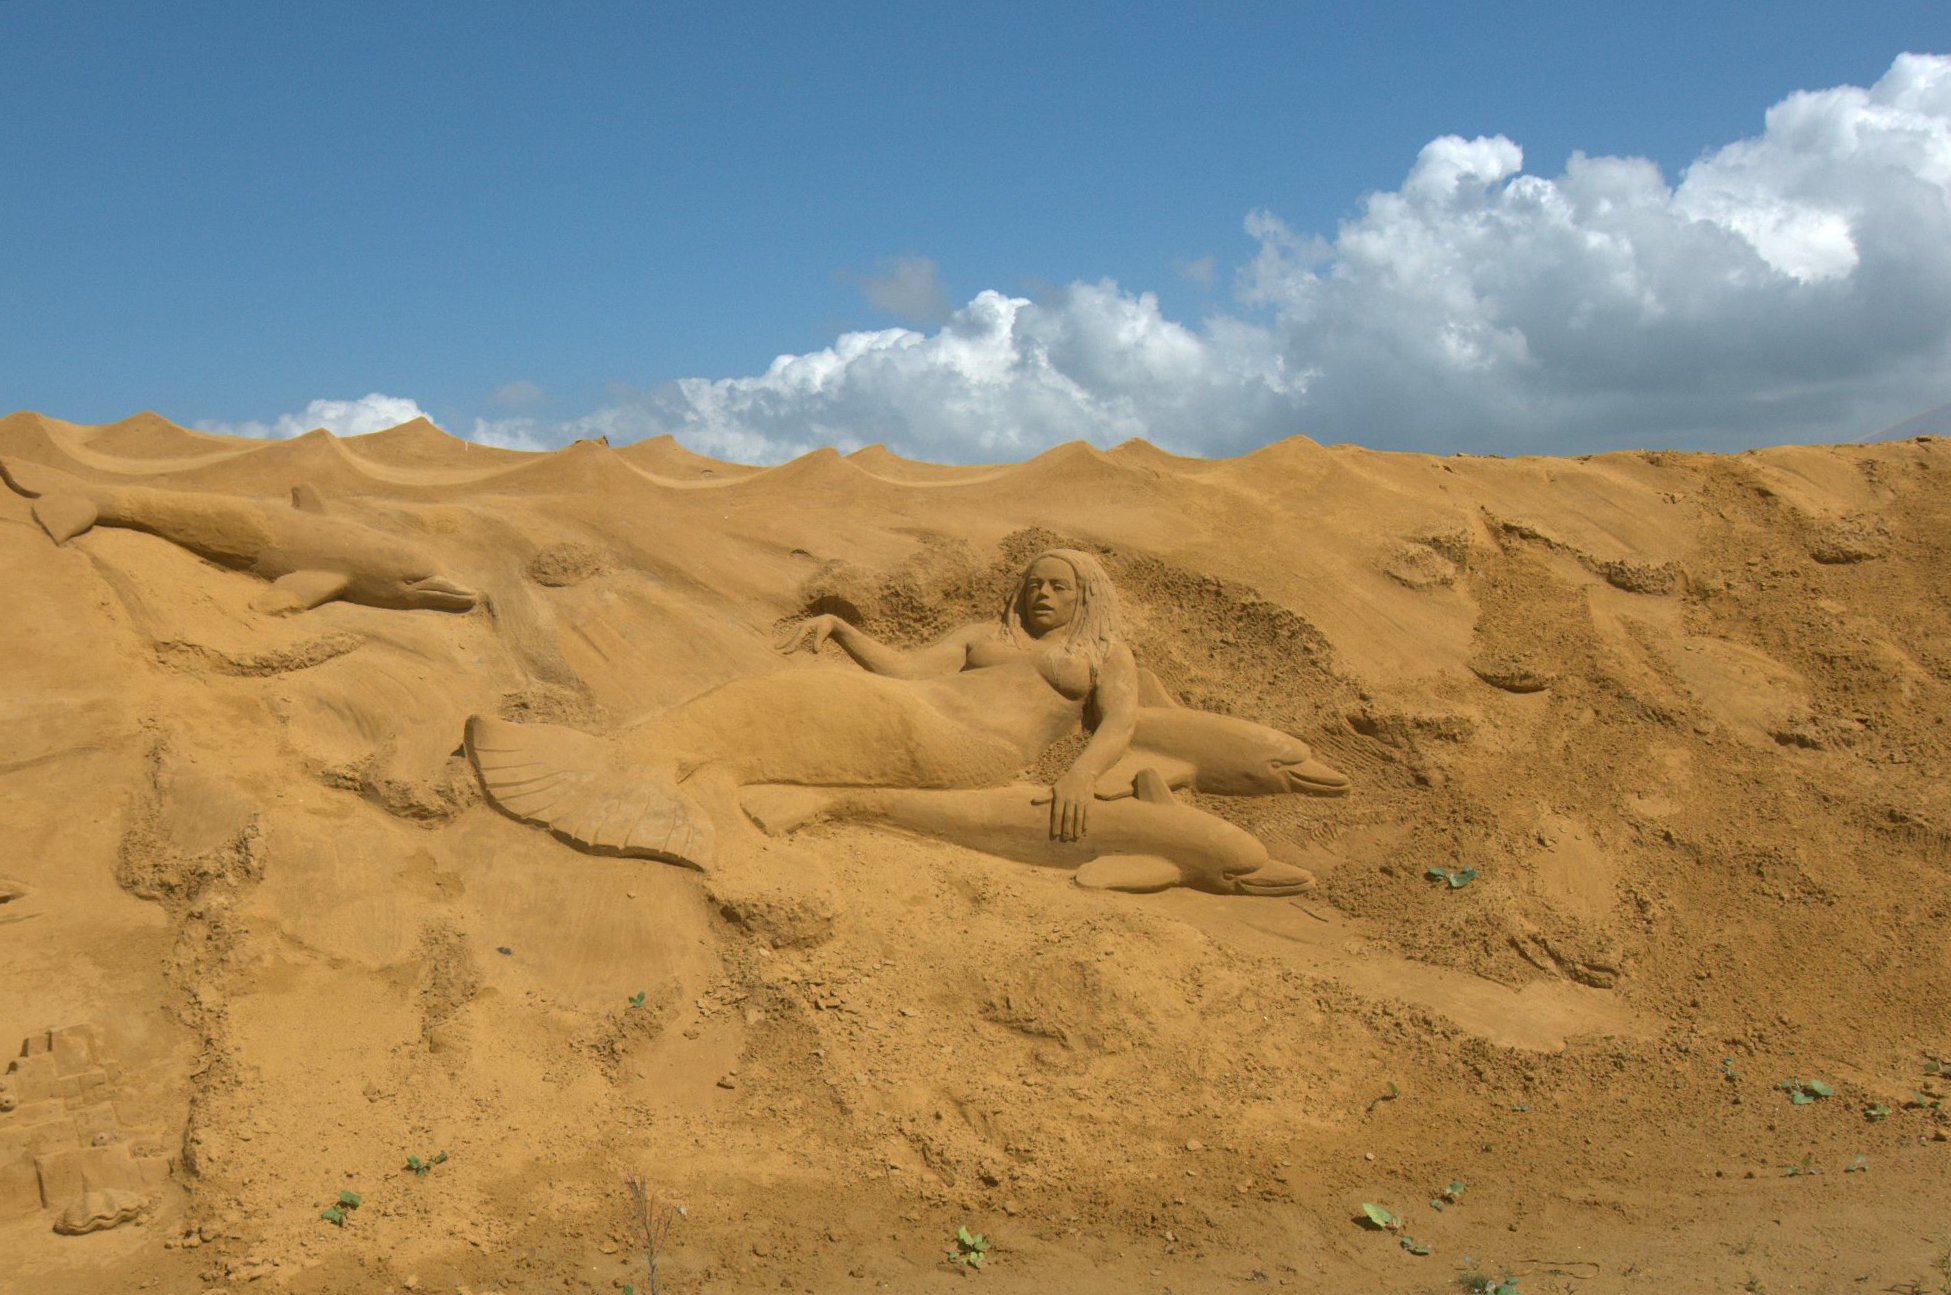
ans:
(813, 631)
(1070, 800)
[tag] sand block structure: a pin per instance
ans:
(74, 1139)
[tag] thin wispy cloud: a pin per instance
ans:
(1202, 270)
(519, 394)
(907, 287)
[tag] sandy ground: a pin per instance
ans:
(1685, 717)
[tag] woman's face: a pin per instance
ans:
(1049, 595)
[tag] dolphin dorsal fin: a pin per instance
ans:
(306, 499)
(1151, 692)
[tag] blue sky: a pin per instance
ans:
(533, 222)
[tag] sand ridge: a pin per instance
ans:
(1683, 717)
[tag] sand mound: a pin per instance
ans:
(1632, 922)
(662, 456)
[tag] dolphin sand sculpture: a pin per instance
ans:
(309, 556)
(1223, 755)
(1143, 842)
(935, 740)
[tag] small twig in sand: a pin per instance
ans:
(652, 1224)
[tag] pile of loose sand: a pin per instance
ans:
(1683, 716)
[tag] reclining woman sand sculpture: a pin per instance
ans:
(935, 735)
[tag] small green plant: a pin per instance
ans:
(336, 1214)
(1478, 1284)
(1389, 1096)
(1804, 1091)
(421, 1168)
(1858, 1165)
(651, 1224)
(1379, 1219)
(969, 1249)
(1451, 1195)
(1876, 1112)
(637, 999)
(1455, 878)
(1804, 1170)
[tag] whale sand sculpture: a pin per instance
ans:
(575, 786)
(309, 556)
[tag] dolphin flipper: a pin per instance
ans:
(300, 591)
(571, 784)
(1120, 780)
(1139, 874)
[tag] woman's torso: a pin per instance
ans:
(1025, 694)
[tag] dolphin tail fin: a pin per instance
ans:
(64, 516)
(61, 503)
(574, 785)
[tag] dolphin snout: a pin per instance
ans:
(1313, 778)
(441, 593)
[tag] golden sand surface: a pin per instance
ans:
(1686, 717)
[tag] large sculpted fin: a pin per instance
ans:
(571, 784)
(61, 505)
(64, 516)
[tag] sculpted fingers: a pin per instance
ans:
(813, 631)
(1066, 817)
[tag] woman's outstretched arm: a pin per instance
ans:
(1116, 697)
(946, 656)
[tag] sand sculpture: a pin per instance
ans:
(309, 556)
(934, 739)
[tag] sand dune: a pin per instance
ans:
(1681, 718)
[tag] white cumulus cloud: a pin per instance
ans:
(1789, 285)
(1004, 377)
(1793, 285)
(370, 413)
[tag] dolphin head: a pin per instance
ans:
(434, 591)
(402, 578)
(1237, 757)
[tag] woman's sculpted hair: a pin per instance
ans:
(1098, 623)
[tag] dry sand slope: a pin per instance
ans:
(1684, 715)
